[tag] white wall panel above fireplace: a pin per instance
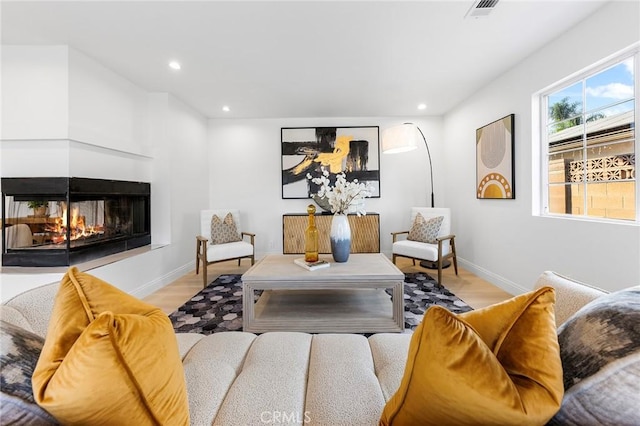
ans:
(66, 158)
(34, 158)
(56, 92)
(35, 87)
(106, 109)
(86, 160)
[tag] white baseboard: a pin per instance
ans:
(162, 281)
(495, 279)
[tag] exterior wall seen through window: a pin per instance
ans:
(590, 144)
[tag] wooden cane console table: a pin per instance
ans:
(346, 297)
(365, 232)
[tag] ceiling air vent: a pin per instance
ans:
(481, 8)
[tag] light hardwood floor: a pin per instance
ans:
(477, 292)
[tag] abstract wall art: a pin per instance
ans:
(495, 175)
(306, 150)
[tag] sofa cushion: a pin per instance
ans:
(272, 382)
(342, 379)
(425, 231)
(600, 351)
(109, 358)
(224, 230)
(19, 354)
(497, 365)
(229, 250)
(389, 352)
(207, 387)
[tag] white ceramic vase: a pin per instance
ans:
(340, 237)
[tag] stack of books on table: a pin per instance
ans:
(312, 266)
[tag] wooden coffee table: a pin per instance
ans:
(346, 297)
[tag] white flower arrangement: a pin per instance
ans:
(344, 197)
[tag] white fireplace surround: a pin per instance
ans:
(66, 115)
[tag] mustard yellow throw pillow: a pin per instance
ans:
(494, 366)
(109, 358)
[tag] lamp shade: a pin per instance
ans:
(400, 138)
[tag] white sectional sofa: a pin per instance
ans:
(236, 378)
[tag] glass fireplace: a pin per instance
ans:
(64, 221)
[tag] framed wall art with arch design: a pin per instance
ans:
(495, 174)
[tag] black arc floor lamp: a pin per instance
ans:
(403, 138)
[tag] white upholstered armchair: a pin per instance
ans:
(221, 238)
(439, 248)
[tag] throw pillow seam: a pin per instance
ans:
(523, 309)
(125, 365)
(80, 291)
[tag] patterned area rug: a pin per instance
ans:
(218, 307)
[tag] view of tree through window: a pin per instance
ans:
(590, 141)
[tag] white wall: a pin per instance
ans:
(179, 188)
(125, 133)
(52, 157)
(34, 158)
(189, 167)
(245, 173)
(64, 114)
(500, 239)
(34, 87)
(106, 109)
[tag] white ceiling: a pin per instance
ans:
(300, 58)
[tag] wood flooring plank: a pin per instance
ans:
(475, 291)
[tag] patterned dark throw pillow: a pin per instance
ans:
(425, 231)
(600, 351)
(20, 350)
(224, 230)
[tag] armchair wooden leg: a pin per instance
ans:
(197, 256)
(455, 257)
(440, 262)
(203, 258)
(393, 259)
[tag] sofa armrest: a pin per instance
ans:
(571, 295)
(15, 317)
(35, 306)
(251, 235)
(445, 237)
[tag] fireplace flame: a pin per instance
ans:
(78, 227)
(77, 223)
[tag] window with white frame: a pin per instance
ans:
(589, 143)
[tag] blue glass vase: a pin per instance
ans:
(340, 237)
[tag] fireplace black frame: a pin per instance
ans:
(72, 189)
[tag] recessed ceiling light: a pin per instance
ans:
(226, 108)
(174, 65)
(422, 106)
